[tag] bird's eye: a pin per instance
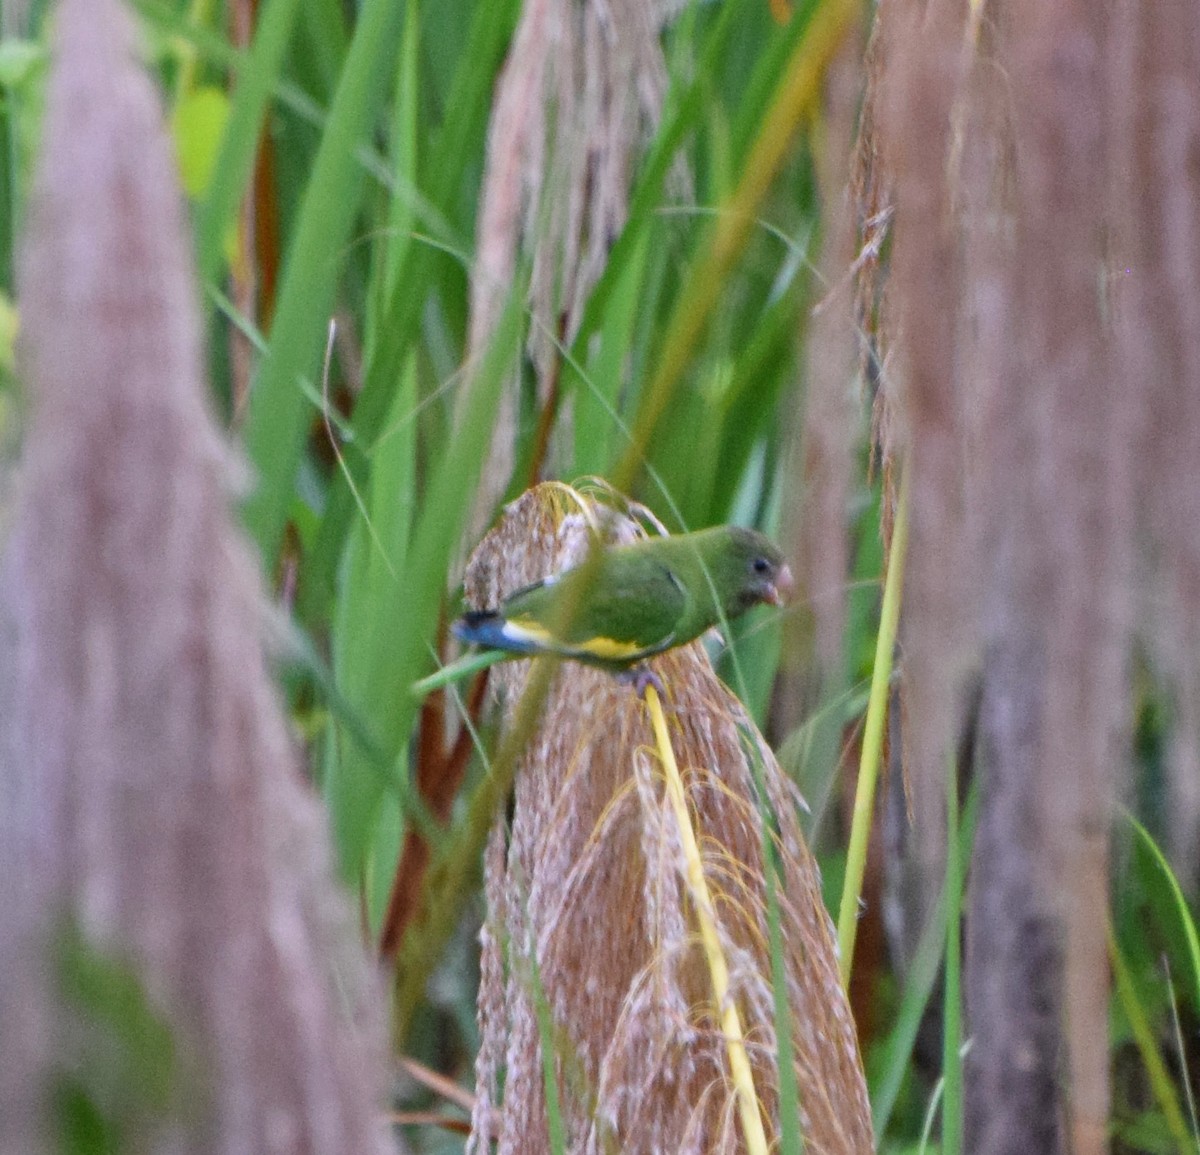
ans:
(761, 565)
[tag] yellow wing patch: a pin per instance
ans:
(605, 649)
(608, 649)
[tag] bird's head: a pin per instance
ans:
(758, 571)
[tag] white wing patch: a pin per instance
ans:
(525, 632)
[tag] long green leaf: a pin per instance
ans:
(1184, 913)
(796, 92)
(952, 1073)
(885, 1076)
(872, 745)
(456, 145)
(791, 1135)
(278, 411)
(406, 628)
(369, 617)
(1148, 1047)
(255, 83)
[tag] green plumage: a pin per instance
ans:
(642, 599)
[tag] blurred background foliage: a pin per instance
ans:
(333, 160)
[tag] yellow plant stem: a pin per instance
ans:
(872, 743)
(731, 1023)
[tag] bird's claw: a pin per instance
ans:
(641, 677)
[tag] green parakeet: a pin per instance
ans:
(644, 598)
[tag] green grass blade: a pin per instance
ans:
(401, 219)
(796, 93)
(416, 277)
(952, 1073)
(277, 410)
(467, 665)
(235, 163)
(597, 392)
(323, 26)
(371, 596)
(554, 1116)
(791, 1134)
(1181, 906)
(1147, 1044)
(887, 1072)
(405, 631)
(872, 746)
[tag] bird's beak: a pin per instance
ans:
(782, 588)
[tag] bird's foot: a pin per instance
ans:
(641, 677)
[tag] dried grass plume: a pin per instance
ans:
(1042, 379)
(156, 828)
(588, 904)
(582, 88)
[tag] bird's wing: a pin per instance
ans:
(627, 614)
